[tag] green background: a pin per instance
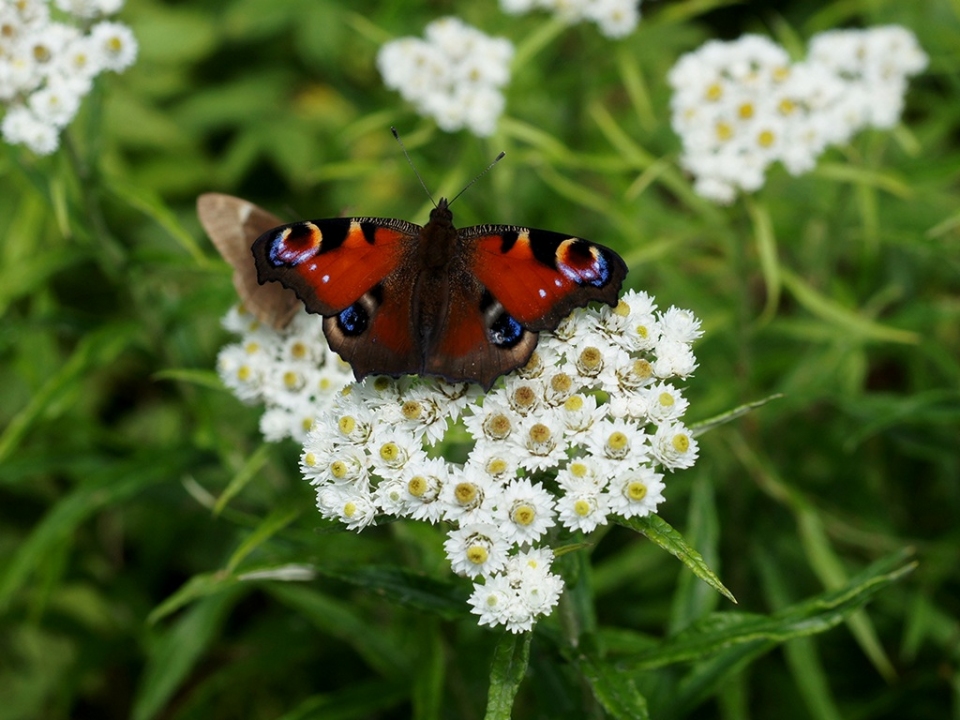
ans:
(121, 588)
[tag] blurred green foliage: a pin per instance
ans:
(125, 590)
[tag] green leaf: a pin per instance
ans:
(113, 485)
(171, 659)
(510, 659)
(96, 349)
(845, 320)
(151, 205)
(272, 524)
(703, 426)
(203, 378)
(341, 620)
(406, 587)
(818, 614)
(660, 532)
(864, 176)
(767, 252)
(613, 689)
(244, 475)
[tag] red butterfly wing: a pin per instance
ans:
(350, 270)
(539, 276)
(477, 340)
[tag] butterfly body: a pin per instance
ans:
(464, 304)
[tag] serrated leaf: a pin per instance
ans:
(662, 533)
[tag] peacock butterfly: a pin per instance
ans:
(233, 224)
(466, 305)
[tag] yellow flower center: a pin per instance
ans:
(582, 508)
(680, 442)
(417, 486)
(787, 106)
(523, 514)
(724, 131)
(539, 434)
(524, 397)
(714, 92)
(466, 493)
(642, 369)
(781, 73)
(497, 426)
(666, 399)
(618, 445)
(766, 138)
(244, 373)
(339, 469)
(561, 383)
(496, 466)
(298, 350)
(291, 380)
(579, 469)
(635, 491)
(347, 424)
(590, 360)
(307, 424)
(252, 347)
(382, 383)
(745, 111)
(411, 410)
(390, 452)
(310, 460)
(574, 403)
(622, 309)
(350, 509)
(477, 554)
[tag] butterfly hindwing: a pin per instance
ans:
(233, 224)
(540, 276)
(477, 340)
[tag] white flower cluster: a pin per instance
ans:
(454, 76)
(615, 18)
(48, 66)
(740, 106)
(292, 372)
(583, 431)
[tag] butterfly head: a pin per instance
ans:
(442, 213)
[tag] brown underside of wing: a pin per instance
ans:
(232, 225)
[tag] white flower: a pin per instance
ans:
(524, 511)
(673, 446)
(636, 492)
(615, 18)
(115, 44)
(22, 127)
(454, 76)
(740, 106)
(476, 549)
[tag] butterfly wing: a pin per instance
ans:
(476, 341)
(507, 284)
(233, 224)
(355, 272)
(539, 276)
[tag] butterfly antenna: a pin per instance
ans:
(497, 159)
(403, 147)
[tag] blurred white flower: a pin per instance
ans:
(740, 106)
(615, 18)
(47, 67)
(455, 76)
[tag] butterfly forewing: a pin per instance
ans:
(352, 271)
(540, 276)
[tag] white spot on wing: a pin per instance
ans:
(543, 293)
